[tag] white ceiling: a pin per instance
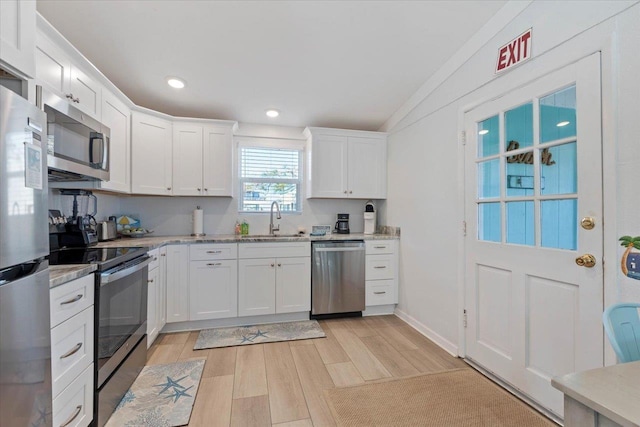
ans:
(347, 64)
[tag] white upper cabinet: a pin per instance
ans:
(203, 159)
(346, 164)
(17, 36)
(117, 117)
(56, 73)
(150, 154)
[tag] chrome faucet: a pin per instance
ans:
(273, 228)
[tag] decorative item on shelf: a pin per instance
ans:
(198, 222)
(125, 222)
(630, 262)
(320, 230)
(244, 227)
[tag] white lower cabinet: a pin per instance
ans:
(381, 272)
(274, 278)
(162, 289)
(177, 279)
(74, 406)
(153, 283)
(213, 289)
(72, 351)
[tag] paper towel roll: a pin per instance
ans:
(198, 222)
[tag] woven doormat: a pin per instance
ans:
(271, 332)
(460, 397)
(162, 395)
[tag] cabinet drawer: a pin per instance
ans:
(74, 406)
(374, 247)
(378, 267)
(155, 259)
(71, 298)
(71, 349)
(380, 292)
(204, 252)
(274, 249)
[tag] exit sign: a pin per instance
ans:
(516, 51)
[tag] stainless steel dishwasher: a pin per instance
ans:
(337, 278)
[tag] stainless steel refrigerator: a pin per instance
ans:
(25, 343)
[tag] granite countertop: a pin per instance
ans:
(157, 241)
(59, 274)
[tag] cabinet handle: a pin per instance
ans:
(169, 188)
(77, 100)
(213, 264)
(149, 280)
(69, 96)
(380, 266)
(199, 189)
(350, 192)
(380, 292)
(71, 352)
(379, 247)
(272, 265)
(279, 265)
(214, 252)
(72, 300)
(73, 416)
(155, 258)
(345, 191)
(163, 254)
(206, 189)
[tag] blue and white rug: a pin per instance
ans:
(162, 395)
(271, 332)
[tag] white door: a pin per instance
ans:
(151, 155)
(533, 172)
(293, 284)
(256, 286)
(213, 289)
(218, 161)
(366, 163)
(187, 160)
(152, 306)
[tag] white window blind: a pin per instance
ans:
(267, 175)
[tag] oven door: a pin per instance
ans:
(121, 319)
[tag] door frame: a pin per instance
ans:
(540, 67)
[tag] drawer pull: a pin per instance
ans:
(73, 416)
(213, 264)
(150, 281)
(72, 300)
(73, 351)
(279, 265)
(380, 292)
(380, 266)
(214, 252)
(379, 247)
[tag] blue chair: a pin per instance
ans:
(622, 325)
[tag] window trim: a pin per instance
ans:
(270, 143)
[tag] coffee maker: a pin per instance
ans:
(79, 230)
(342, 225)
(369, 218)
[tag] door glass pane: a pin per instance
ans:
(558, 115)
(520, 180)
(520, 220)
(559, 223)
(518, 126)
(489, 179)
(488, 137)
(489, 222)
(559, 169)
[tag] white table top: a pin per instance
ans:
(613, 391)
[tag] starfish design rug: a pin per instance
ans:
(272, 332)
(162, 395)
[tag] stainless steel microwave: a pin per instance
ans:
(77, 144)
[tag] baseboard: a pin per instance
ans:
(379, 310)
(198, 325)
(442, 342)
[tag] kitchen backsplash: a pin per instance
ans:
(172, 215)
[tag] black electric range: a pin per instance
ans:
(104, 258)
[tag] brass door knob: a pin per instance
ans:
(588, 223)
(586, 260)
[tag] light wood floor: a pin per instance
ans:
(282, 384)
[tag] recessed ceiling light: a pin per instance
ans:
(272, 113)
(561, 124)
(483, 132)
(175, 82)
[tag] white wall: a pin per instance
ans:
(426, 203)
